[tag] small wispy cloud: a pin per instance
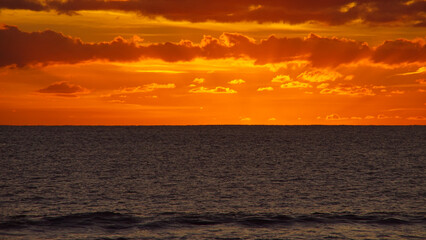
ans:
(262, 89)
(198, 80)
(147, 88)
(216, 90)
(64, 89)
(236, 81)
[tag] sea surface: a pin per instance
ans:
(213, 182)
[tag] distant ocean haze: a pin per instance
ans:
(248, 182)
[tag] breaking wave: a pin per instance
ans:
(117, 221)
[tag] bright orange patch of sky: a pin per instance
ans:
(123, 63)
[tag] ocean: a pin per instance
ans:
(212, 182)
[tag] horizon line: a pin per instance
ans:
(204, 125)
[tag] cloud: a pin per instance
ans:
(281, 79)
(48, 47)
(33, 5)
(64, 88)
(382, 116)
(333, 117)
(417, 118)
(349, 78)
(198, 80)
(147, 88)
(323, 51)
(346, 8)
(319, 51)
(295, 84)
(217, 90)
(323, 85)
(22, 48)
(336, 117)
(348, 90)
(319, 76)
(262, 89)
(401, 51)
(236, 81)
(397, 92)
(418, 71)
(332, 12)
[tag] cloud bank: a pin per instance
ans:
(48, 47)
(332, 12)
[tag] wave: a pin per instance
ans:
(116, 221)
(108, 220)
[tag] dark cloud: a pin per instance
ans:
(318, 50)
(41, 48)
(63, 89)
(333, 12)
(22, 48)
(401, 50)
(33, 5)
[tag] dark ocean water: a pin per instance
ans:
(213, 182)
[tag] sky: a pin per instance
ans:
(187, 62)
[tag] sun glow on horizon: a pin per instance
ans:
(134, 67)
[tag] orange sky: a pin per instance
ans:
(168, 62)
